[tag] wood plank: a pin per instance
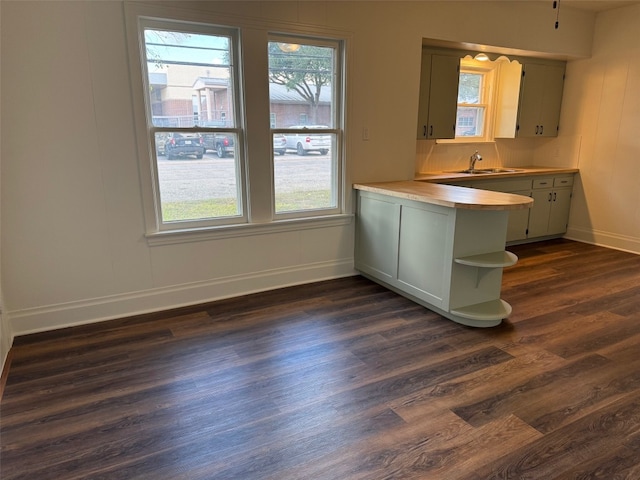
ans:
(343, 379)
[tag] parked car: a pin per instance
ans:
(183, 144)
(221, 143)
(279, 144)
(304, 143)
(161, 140)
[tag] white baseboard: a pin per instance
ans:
(604, 239)
(51, 317)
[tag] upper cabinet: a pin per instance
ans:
(540, 99)
(527, 98)
(438, 96)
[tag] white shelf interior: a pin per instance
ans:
(489, 260)
(492, 310)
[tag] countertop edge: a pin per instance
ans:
(447, 195)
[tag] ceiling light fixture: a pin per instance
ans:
(481, 57)
(289, 47)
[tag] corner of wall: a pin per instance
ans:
(6, 340)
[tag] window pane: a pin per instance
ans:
(189, 79)
(304, 181)
(194, 182)
(470, 122)
(470, 88)
(302, 92)
(191, 85)
(301, 80)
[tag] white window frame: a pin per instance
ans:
(257, 175)
(488, 100)
(336, 119)
(144, 23)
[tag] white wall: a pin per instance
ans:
(601, 117)
(6, 338)
(5, 333)
(73, 249)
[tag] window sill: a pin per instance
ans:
(463, 140)
(245, 230)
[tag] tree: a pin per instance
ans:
(469, 87)
(304, 71)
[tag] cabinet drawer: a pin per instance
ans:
(506, 185)
(543, 182)
(563, 181)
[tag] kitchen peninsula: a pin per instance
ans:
(441, 246)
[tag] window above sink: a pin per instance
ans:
(479, 86)
(476, 88)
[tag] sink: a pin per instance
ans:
(485, 171)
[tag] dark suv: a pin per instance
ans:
(183, 144)
(221, 143)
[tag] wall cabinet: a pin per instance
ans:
(438, 102)
(549, 214)
(527, 103)
(540, 100)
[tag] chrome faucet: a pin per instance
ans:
(476, 157)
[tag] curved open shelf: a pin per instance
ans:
(486, 311)
(489, 260)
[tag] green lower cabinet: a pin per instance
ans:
(446, 259)
(423, 262)
(549, 215)
(551, 212)
(518, 220)
(551, 204)
(377, 236)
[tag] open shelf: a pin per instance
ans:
(489, 260)
(492, 310)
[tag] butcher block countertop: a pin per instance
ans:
(448, 196)
(519, 172)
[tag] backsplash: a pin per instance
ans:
(518, 152)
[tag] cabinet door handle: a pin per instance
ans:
(431, 130)
(537, 128)
(541, 129)
(549, 196)
(555, 195)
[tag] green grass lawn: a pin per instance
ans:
(226, 207)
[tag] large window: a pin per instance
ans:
(304, 86)
(203, 164)
(193, 121)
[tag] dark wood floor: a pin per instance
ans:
(344, 380)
